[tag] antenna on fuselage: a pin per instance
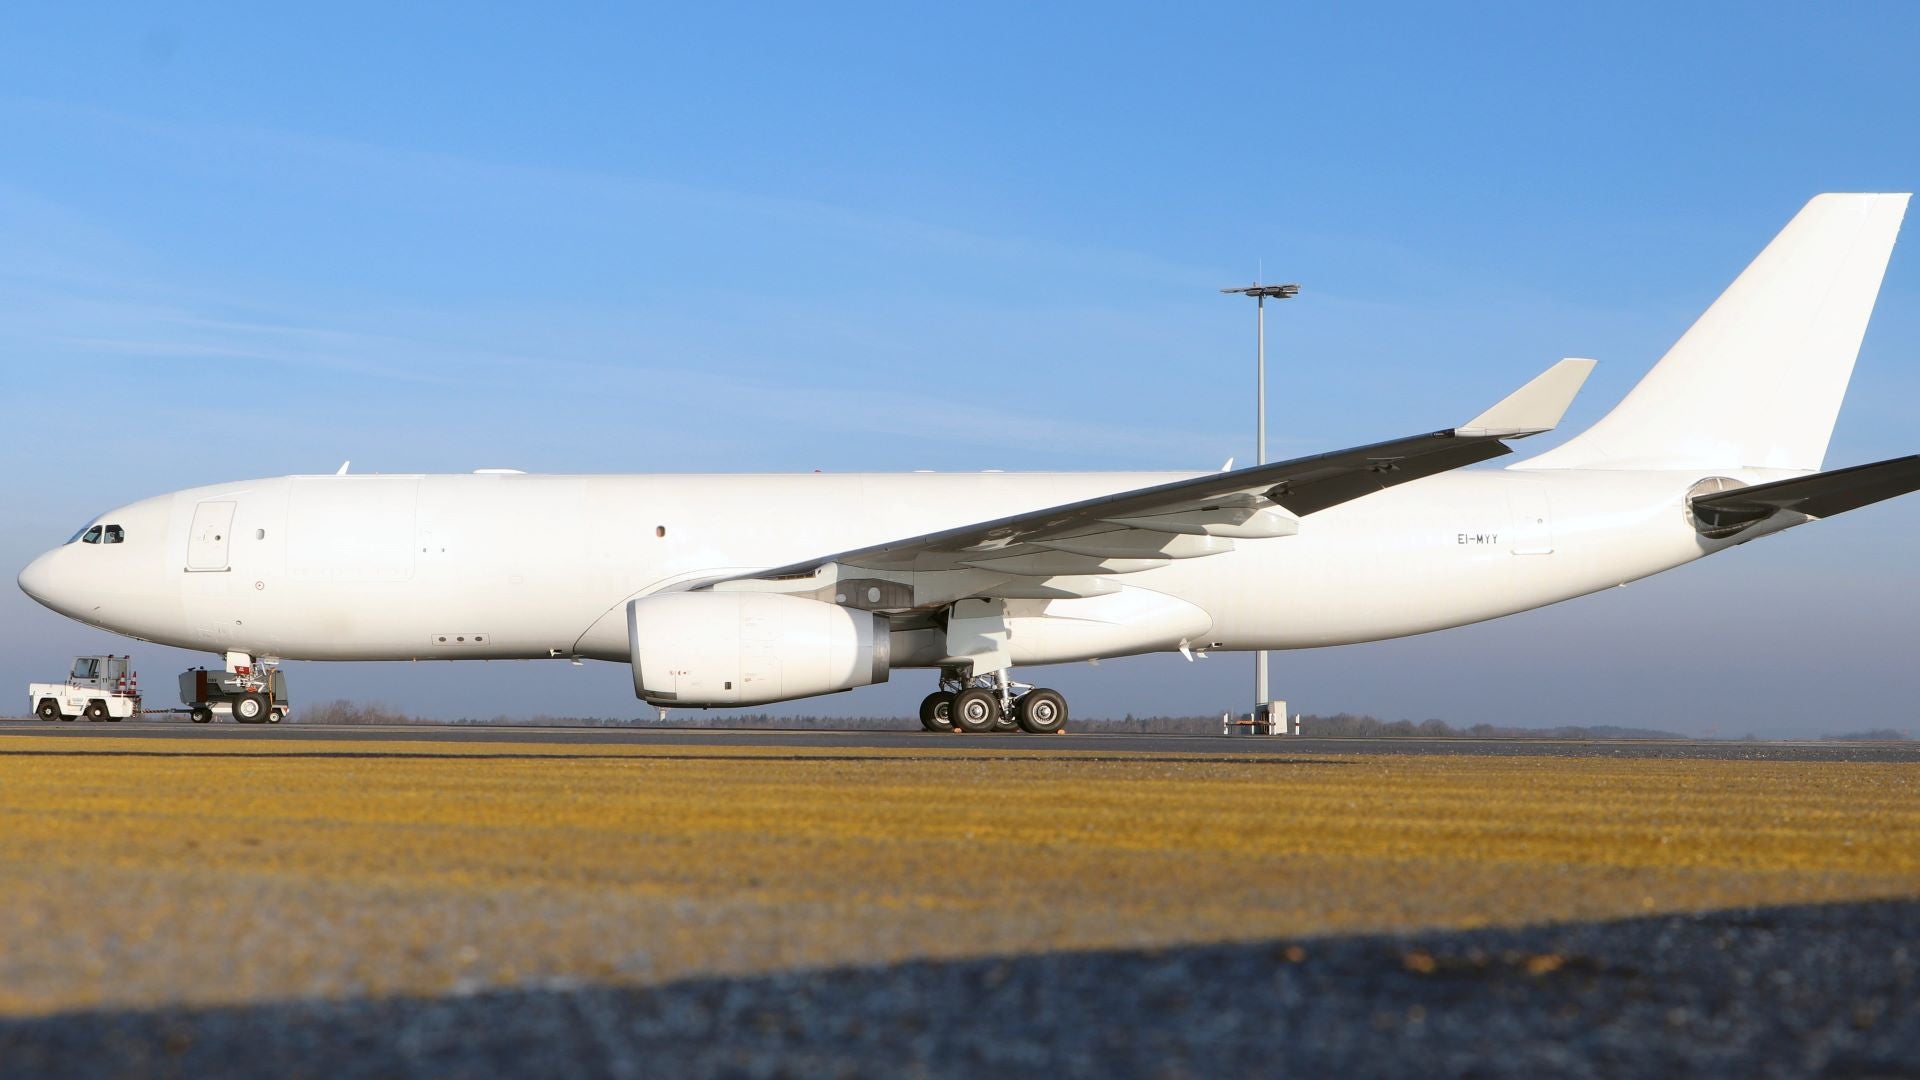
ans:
(342, 470)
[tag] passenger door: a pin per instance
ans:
(209, 536)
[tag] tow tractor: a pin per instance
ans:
(98, 688)
(251, 692)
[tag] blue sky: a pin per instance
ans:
(243, 241)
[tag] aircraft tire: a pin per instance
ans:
(47, 710)
(251, 708)
(936, 711)
(96, 712)
(976, 711)
(1041, 712)
(200, 715)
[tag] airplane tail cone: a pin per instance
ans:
(1757, 381)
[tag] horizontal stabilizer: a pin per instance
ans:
(1535, 407)
(1821, 495)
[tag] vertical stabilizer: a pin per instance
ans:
(1756, 382)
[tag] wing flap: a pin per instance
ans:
(1233, 522)
(1052, 564)
(1138, 544)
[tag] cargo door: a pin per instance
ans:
(209, 536)
(1532, 520)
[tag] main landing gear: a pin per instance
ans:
(992, 703)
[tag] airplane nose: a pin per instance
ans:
(37, 579)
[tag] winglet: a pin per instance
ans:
(1535, 407)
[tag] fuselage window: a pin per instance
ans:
(114, 535)
(92, 536)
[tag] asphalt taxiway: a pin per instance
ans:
(1825, 991)
(376, 901)
(1086, 740)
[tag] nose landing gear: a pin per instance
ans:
(980, 704)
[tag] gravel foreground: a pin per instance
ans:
(1816, 990)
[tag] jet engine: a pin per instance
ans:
(746, 648)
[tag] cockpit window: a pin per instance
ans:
(114, 535)
(77, 534)
(92, 536)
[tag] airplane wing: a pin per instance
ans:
(1820, 495)
(1071, 550)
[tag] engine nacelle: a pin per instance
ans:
(745, 648)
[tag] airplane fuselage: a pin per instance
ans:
(516, 566)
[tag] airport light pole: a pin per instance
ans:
(1260, 294)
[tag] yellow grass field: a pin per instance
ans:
(138, 872)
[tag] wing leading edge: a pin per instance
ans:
(1071, 550)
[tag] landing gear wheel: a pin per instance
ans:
(936, 711)
(201, 715)
(250, 708)
(1006, 723)
(976, 711)
(47, 710)
(96, 712)
(1041, 712)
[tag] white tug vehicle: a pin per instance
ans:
(98, 688)
(107, 688)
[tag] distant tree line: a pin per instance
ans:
(1361, 726)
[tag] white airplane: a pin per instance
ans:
(747, 589)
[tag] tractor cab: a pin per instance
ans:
(105, 673)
